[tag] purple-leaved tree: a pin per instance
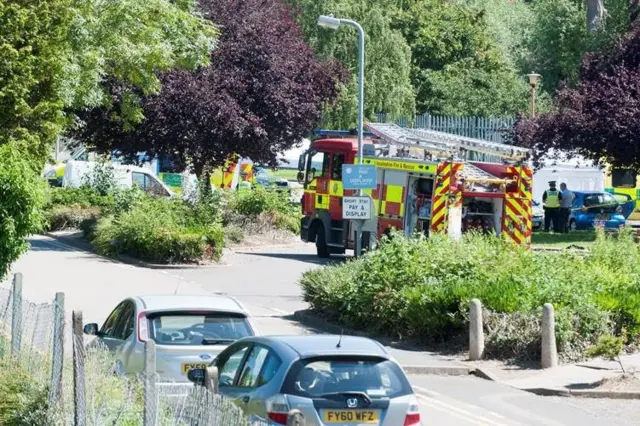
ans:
(599, 118)
(262, 94)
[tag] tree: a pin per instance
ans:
(458, 68)
(597, 119)
(22, 195)
(560, 37)
(388, 85)
(261, 95)
(595, 14)
(55, 54)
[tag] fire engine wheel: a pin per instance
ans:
(321, 243)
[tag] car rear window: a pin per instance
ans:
(198, 328)
(315, 377)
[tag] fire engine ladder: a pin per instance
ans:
(394, 135)
(441, 142)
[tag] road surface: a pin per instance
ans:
(267, 283)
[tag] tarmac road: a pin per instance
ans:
(266, 281)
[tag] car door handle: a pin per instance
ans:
(245, 399)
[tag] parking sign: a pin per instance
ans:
(359, 176)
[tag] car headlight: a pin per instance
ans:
(50, 173)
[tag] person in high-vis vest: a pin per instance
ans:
(552, 199)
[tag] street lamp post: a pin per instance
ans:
(334, 23)
(533, 81)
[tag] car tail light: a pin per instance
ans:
(413, 415)
(143, 327)
(277, 409)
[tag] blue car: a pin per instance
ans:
(591, 207)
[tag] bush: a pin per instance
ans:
(85, 196)
(159, 230)
(265, 209)
(69, 217)
(23, 402)
(421, 289)
(235, 234)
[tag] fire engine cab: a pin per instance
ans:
(427, 182)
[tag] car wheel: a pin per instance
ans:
(573, 225)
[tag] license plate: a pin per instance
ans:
(351, 416)
(190, 366)
(602, 217)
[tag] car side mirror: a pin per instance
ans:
(91, 329)
(300, 177)
(196, 375)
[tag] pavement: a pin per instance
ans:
(266, 281)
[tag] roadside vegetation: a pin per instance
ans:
(419, 289)
(110, 398)
(129, 222)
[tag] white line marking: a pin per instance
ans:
(444, 410)
(496, 415)
(460, 410)
(426, 391)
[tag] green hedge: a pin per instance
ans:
(421, 289)
(158, 230)
(168, 230)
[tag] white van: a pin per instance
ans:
(126, 176)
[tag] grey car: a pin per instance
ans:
(189, 331)
(333, 380)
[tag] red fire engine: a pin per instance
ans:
(427, 181)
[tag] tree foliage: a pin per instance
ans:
(458, 67)
(388, 85)
(55, 55)
(22, 195)
(262, 94)
(560, 37)
(598, 118)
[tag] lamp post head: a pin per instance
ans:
(329, 22)
(534, 78)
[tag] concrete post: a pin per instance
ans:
(16, 318)
(57, 359)
(549, 353)
(150, 393)
(476, 332)
(79, 397)
(295, 418)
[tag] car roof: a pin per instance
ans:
(306, 346)
(190, 302)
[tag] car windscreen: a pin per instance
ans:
(321, 377)
(197, 328)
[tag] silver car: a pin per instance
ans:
(189, 331)
(333, 380)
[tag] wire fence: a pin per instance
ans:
(49, 376)
(490, 129)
